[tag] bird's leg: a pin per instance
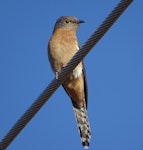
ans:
(57, 75)
(57, 72)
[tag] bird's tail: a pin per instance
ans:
(83, 125)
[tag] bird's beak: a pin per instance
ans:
(81, 21)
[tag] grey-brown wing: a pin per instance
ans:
(85, 88)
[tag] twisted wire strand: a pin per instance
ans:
(45, 95)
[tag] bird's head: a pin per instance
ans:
(68, 22)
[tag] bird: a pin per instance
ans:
(62, 46)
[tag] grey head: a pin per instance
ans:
(68, 22)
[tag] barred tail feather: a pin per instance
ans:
(83, 125)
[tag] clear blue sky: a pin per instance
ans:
(114, 72)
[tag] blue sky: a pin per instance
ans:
(114, 71)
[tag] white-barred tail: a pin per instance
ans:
(83, 125)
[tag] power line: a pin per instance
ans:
(84, 50)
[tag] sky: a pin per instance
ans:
(114, 72)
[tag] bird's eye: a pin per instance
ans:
(67, 21)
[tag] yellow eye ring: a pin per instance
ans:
(67, 21)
